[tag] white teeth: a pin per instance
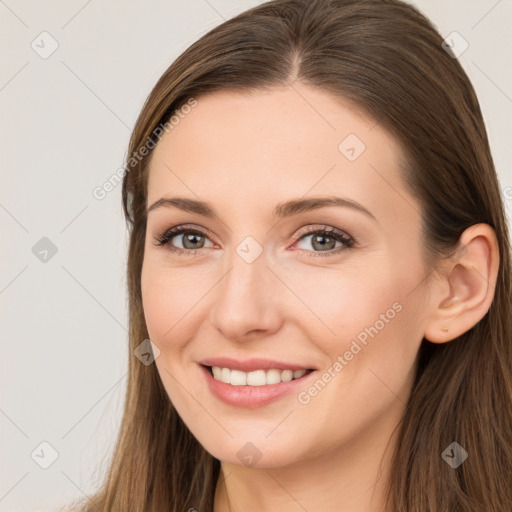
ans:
(287, 375)
(255, 378)
(225, 375)
(238, 378)
(273, 376)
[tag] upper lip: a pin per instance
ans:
(252, 364)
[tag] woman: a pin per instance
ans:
(320, 257)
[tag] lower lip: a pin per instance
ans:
(252, 397)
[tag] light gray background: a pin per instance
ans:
(65, 126)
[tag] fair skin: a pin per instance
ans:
(243, 155)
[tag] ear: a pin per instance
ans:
(463, 294)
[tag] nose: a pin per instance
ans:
(245, 301)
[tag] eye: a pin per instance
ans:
(191, 240)
(323, 241)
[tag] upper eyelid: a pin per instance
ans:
(186, 227)
(307, 228)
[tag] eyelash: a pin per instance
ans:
(348, 241)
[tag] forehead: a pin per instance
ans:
(286, 140)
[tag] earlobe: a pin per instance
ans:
(470, 276)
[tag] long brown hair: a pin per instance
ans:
(387, 59)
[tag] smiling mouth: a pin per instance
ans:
(255, 378)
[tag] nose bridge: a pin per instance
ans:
(245, 297)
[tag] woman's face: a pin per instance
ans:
(258, 286)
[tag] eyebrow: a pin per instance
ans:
(282, 210)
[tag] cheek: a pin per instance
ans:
(369, 319)
(156, 301)
(175, 302)
(367, 332)
(168, 312)
(166, 301)
(379, 357)
(342, 302)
